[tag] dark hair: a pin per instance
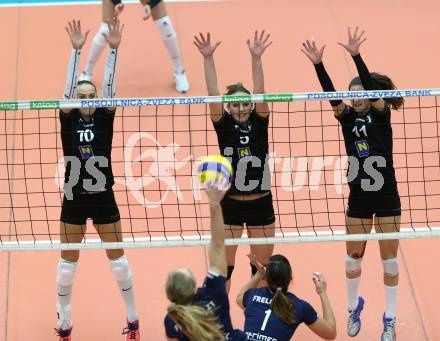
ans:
(279, 275)
(86, 82)
(382, 82)
(234, 88)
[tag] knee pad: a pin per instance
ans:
(352, 265)
(230, 271)
(165, 28)
(120, 269)
(390, 267)
(99, 37)
(66, 272)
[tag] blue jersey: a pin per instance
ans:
(212, 296)
(261, 323)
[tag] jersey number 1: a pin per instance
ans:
(266, 318)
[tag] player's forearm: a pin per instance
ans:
(327, 312)
(364, 73)
(211, 76)
(258, 75)
(325, 81)
(252, 283)
(109, 82)
(72, 74)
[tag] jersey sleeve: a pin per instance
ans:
(170, 328)
(346, 115)
(215, 284)
(65, 121)
(247, 297)
(309, 314)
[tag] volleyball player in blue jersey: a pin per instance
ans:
(202, 314)
(272, 312)
(86, 135)
(242, 133)
(111, 9)
(373, 198)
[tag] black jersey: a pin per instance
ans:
(247, 147)
(368, 138)
(89, 143)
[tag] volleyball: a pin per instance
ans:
(214, 168)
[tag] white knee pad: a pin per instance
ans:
(99, 37)
(390, 267)
(352, 265)
(165, 28)
(120, 269)
(66, 272)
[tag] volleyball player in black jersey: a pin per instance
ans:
(366, 127)
(86, 136)
(242, 132)
(202, 314)
(111, 9)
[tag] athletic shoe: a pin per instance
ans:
(64, 334)
(389, 329)
(131, 332)
(354, 321)
(84, 76)
(182, 84)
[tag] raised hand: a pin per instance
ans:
(260, 44)
(76, 37)
(119, 8)
(204, 45)
(216, 190)
(354, 41)
(147, 9)
(114, 35)
(312, 51)
(320, 283)
(261, 269)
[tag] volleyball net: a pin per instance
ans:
(156, 145)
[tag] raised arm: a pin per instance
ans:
(207, 50)
(314, 54)
(325, 326)
(355, 40)
(216, 249)
(113, 38)
(77, 39)
(253, 282)
(257, 48)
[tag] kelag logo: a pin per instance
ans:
(44, 104)
(8, 106)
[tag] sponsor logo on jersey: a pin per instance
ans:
(244, 152)
(86, 152)
(362, 148)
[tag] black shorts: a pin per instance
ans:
(258, 212)
(154, 3)
(382, 203)
(100, 207)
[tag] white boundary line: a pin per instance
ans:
(179, 241)
(91, 2)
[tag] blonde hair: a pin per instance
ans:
(196, 323)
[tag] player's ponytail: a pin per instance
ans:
(279, 275)
(383, 82)
(196, 323)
